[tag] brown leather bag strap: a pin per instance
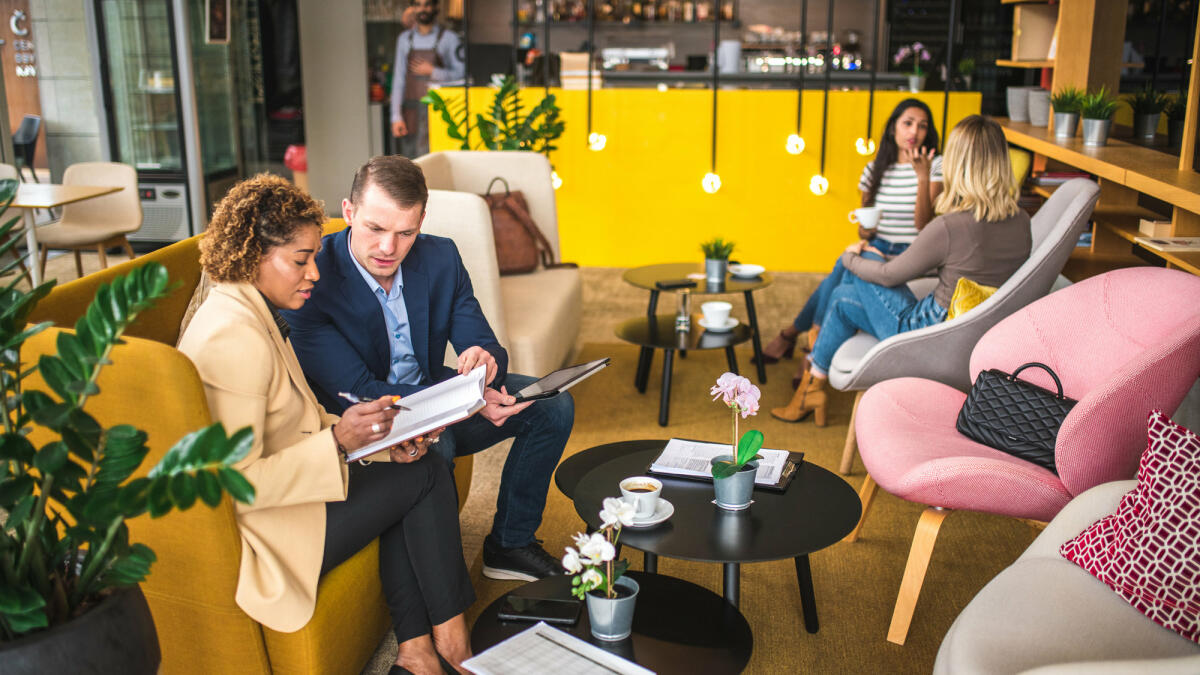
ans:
(501, 179)
(545, 251)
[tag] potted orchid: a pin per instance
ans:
(599, 578)
(733, 474)
(918, 53)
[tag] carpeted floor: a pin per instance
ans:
(855, 584)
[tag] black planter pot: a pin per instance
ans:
(116, 636)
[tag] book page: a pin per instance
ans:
(543, 649)
(444, 403)
(693, 458)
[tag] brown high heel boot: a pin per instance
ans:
(811, 397)
(798, 379)
(781, 344)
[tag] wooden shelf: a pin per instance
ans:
(1009, 63)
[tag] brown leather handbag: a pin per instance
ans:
(520, 245)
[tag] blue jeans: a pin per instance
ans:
(541, 433)
(814, 310)
(881, 311)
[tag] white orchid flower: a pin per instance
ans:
(597, 550)
(617, 511)
(581, 539)
(590, 580)
(571, 563)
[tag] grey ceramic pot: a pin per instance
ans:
(1018, 104)
(1145, 125)
(612, 618)
(1095, 132)
(1065, 124)
(714, 270)
(735, 492)
(1039, 107)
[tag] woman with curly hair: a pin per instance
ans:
(313, 511)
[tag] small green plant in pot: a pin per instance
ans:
(1175, 111)
(65, 554)
(1148, 106)
(1066, 103)
(1097, 109)
(716, 259)
(733, 474)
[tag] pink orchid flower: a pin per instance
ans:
(726, 388)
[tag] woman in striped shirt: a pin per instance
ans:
(903, 180)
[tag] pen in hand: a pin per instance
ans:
(355, 399)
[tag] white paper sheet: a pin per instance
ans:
(693, 458)
(543, 649)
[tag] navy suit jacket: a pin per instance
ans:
(340, 336)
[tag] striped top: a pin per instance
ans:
(897, 197)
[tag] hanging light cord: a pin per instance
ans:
(467, 70)
(804, 65)
(949, 60)
(874, 67)
(591, 28)
(828, 73)
(716, 81)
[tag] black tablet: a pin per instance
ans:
(560, 381)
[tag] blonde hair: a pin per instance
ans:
(978, 175)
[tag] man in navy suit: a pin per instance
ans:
(389, 300)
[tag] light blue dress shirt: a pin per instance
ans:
(404, 367)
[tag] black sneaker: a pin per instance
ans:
(526, 563)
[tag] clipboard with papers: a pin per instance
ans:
(691, 460)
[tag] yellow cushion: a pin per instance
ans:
(1021, 161)
(967, 294)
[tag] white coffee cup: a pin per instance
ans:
(643, 492)
(716, 313)
(867, 216)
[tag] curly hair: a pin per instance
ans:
(255, 215)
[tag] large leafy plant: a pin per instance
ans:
(64, 541)
(503, 125)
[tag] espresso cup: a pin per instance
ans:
(643, 493)
(867, 216)
(716, 313)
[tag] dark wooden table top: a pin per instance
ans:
(661, 334)
(646, 276)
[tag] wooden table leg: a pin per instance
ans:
(808, 601)
(664, 403)
(732, 583)
(732, 359)
(752, 316)
(645, 358)
(650, 562)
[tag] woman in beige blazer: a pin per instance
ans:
(312, 511)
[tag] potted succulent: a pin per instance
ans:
(1066, 102)
(1175, 111)
(599, 579)
(69, 575)
(918, 53)
(716, 259)
(966, 70)
(1148, 106)
(733, 474)
(1097, 110)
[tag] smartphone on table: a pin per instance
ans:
(550, 610)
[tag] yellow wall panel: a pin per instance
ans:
(639, 200)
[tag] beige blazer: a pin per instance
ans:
(251, 377)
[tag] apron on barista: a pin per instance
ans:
(416, 86)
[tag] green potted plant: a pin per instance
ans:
(1097, 109)
(1175, 111)
(716, 259)
(1148, 106)
(733, 474)
(1066, 102)
(966, 70)
(599, 577)
(68, 573)
(502, 125)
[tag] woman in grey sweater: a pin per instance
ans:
(981, 235)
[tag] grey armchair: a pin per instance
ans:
(942, 352)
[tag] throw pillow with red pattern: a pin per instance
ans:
(1149, 550)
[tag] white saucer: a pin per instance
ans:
(729, 325)
(664, 510)
(746, 271)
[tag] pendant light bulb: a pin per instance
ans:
(819, 184)
(711, 183)
(795, 144)
(555, 180)
(865, 146)
(597, 141)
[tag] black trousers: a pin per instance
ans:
(413, 509)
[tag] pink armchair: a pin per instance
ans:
(1122, 343)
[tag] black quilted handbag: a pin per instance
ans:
(1015, 416)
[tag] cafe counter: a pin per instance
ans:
(640, 201)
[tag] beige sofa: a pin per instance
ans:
(536, 316)
(1044, 614)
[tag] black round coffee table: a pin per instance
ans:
(678, 627)
(817, 510)
(659, 332)
(648, 276)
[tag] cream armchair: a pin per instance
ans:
(536, 316)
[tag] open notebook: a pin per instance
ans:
(444, 403)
